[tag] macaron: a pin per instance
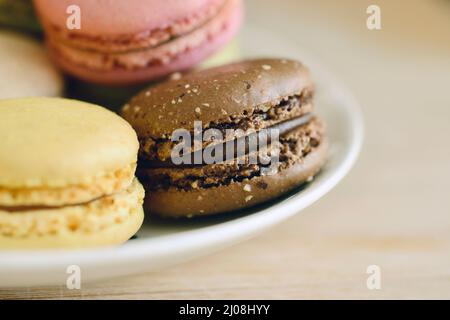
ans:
(19, 14)
(28, 68)
(223, 107)
(126, 42)
(67, 175)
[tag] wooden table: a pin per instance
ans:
(393, 210)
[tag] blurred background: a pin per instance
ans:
(393, 210)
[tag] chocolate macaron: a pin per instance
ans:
(226, 110)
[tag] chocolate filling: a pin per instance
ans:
(295, 145)
(282, 128)
(261, 117)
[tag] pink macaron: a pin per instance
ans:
(127, 42)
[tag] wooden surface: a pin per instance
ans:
(393, 210)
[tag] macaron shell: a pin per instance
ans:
(108, 221)
(121, 42)
(84, 69)
(179, 203)
(213, 95)
(28, 68)
(52, 142)
(112, 17)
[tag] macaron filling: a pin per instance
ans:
(67, 194)
(293, 147)
(89, 218)
(263, 116)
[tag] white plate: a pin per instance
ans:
(162, 243)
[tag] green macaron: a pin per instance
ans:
(19, 14)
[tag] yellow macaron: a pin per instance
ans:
(66, 175)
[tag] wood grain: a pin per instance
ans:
(393, 210)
